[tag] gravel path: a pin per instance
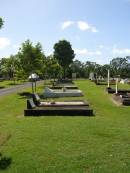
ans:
(17, 88)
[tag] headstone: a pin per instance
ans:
(124, 81)
(91, 76)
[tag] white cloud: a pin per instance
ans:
(67, 24)
(4, 42)
(83, 26)
(85, 52)
(117, 51)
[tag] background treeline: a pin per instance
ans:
(31, 59)
(119, 66)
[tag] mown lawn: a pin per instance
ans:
(99, 144)
(9, 83)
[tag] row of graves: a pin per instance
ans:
(39, 105)
(119, 96)
(98, 80)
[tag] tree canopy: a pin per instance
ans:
(31, 58)
(64, 53)
(1, 22)
(53, 69)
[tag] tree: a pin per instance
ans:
(1, 22)
(78, 68)
(64, 53)
(9, 67)
(31, 58)
(13, 65)
(104, 70)
(89, 67)
(120, 66)
(3, 68)
(53, 69)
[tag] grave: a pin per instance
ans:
(116, 90)
(109, 81)
(122, 99)
(64, 81)
(66, 86)
(37, 101)
(68, 110)
(49, 93)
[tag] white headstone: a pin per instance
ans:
(91, 76)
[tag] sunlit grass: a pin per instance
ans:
(99, 144)
(9, 83)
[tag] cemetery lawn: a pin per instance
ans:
(57, 144)
(9, 83)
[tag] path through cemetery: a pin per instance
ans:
(17, 88)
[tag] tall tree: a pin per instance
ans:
(31, 58)
(64, 53)
(1, 22)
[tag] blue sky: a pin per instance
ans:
(97, 29)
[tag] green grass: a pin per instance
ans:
(99, 144)
(9, 83)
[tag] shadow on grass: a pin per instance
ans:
(13, 84)
(25, 95)
(5, 162)
(1, 87)
(104, 84)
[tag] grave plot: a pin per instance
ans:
(49, 93)
(64, 81)
(120, 96)
(69, 108)
(105, 81)
(37, 101)
(36, 107)
(122, 99)
(63, 84)
(117, 90)
(61, 87)
(121, 91)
